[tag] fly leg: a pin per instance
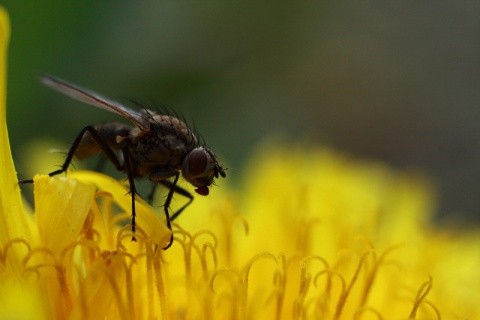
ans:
(181, 191)
(107, 150)
(173, 188)
(177, 189)
(133, 189)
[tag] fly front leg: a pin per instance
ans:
(181, 191)
(177, 189)
(161, 177)
(102, 144)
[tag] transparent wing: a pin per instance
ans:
(93, 99)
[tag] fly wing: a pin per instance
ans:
(94, 99)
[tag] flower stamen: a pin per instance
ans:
(344, 295)
(8, 245)
(363, 310)
(420, 299)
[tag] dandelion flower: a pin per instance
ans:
(313, 234)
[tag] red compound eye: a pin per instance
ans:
(197, 162)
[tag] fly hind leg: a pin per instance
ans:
(102, 144)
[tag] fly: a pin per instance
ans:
(158, 147)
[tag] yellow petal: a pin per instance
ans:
(147, 219)
(13, 223)
(102, 289)
(61, 206)
(21, 302)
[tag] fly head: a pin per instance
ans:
(200, 167)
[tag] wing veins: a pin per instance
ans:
(94, 99)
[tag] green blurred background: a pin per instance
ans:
(393, 81)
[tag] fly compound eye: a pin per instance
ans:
(200, 168)
(197, 162)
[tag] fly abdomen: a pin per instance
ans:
(108, 132)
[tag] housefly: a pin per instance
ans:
(158, 146)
